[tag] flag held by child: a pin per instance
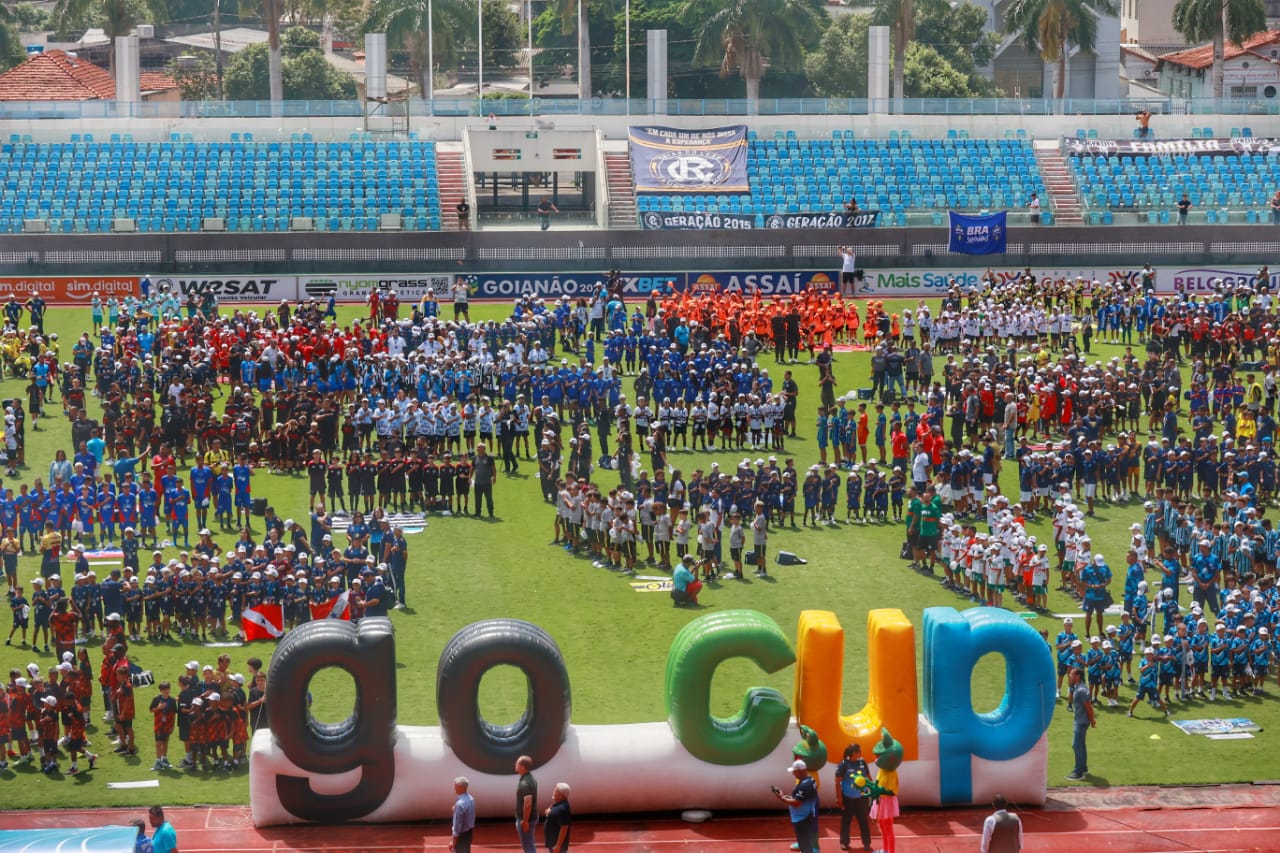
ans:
(334, 608)
(264, 622)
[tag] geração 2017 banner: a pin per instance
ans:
(669, 220)
(675, 160)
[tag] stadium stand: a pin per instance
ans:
(91, 186)
(897, 176)
(1150, 186)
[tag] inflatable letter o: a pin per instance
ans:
(541, 729)
(364, 741)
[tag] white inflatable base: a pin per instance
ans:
(636, 767)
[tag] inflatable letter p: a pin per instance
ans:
(953, 643)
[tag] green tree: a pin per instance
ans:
(1217, 21)
(928, 74)
(960, 36)
(11, 50)
(899, 16)
(575, 18)
(116, 17)
(752, 36)
(197, 78)
(407, 24)
(1048, 27)
(838, 67)
(305, 72)
(30, 18)
(503, 38)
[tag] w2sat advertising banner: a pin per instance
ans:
(675, 160)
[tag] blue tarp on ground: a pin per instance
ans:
(98, 839)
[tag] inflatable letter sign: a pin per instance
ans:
(368, 768)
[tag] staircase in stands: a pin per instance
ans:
(622, 191)
(452, 177)
(1064, 198)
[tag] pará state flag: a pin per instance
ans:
(978, 235)
(264, 622)
(334, 608)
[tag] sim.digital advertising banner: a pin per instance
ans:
(676, 160)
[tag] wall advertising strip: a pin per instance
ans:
(675, 160)
(67, 289)
(672, 220)
(1173, 147)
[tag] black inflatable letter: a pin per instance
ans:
(471, 653)
(364, 741)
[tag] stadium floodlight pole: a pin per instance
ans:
(530, 50)
(430, 94)
(480, 53)
(627, 18)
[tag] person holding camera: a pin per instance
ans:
(802, 803)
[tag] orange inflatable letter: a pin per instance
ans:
(892, 702)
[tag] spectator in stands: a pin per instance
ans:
(464, 215)
(1184, 207)
(545, 209)
(851, 206)
(1275, 208)
(1033, 207)
(1144, 123)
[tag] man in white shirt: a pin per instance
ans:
(848, 270)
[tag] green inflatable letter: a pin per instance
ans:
(697, 650)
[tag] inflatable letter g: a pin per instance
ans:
(700, 647)
(953, 643)
(363, 742)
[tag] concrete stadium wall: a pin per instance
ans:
(615, 127)
(557, 251)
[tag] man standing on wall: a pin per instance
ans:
(848, 271)
(526, 797)
(1083, 720)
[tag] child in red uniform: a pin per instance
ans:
(4, 729)
(19, 712)
(73, 723)
(122, 701)
(47, 731)
(164, 709)
(239, 720)
(198, 734)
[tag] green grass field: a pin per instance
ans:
(615, 640)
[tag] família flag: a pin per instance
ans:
(335, 608)
(264, 622)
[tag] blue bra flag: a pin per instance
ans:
(978, 235)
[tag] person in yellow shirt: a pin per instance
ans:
(50, 550)
(1247, 428)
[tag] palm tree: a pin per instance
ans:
(427, 29)
(573, 14)
(1047, 27)
(1219, 20)
(752, 36)
(899, 15)
(119, 17)
(272, 11)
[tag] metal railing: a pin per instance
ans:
(27, 110)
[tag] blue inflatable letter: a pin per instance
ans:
(953, 643)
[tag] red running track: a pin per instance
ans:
(1126, 820)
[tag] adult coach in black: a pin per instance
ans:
(483, 475)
